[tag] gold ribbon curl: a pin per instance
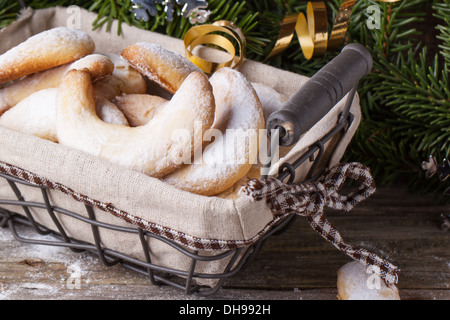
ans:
(208, 35)
(312, 29)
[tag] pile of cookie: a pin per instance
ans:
(56, 87)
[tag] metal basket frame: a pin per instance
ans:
(159, 275)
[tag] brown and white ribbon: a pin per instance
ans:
(179, 237)
(309, 199)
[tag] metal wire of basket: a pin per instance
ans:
(186, 280)
(159, 275)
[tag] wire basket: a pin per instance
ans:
(316, 158)
(186, 280)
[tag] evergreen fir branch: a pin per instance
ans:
(442, 11)
(109, 11)
(411, 107)
(9, 9)
(8, 12)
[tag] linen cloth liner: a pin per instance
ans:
(237, 220)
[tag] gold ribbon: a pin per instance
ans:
(312, 29)
(209, 35)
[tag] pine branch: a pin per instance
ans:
(442, 12)
(9, 9)
(407, 108)
(8, 12)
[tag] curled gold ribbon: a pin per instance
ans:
(312, 29)
(340, 25)
(209, 34)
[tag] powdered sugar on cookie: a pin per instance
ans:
(167, 68)
(239, 117)
(44, 50)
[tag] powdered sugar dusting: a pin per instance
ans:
(239, 117)
(36, 114)
(237, 104)
(166, 68)
(271, 100)
(173, 59)
(145, 148)
(51, 48)
(356, 282)
(56, 37)
(43, 271)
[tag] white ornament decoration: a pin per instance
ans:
(143, 9)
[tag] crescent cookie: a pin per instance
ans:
(271, 100)
(43, 51)
(139, 109)
(164, 67)
(124, 80)
(36, 114)
(239, 117)
(354, 283)
(157, 148)
(12, 93)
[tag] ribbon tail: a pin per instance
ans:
(387, 271)
(309, 199)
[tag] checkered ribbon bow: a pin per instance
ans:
(309, 199)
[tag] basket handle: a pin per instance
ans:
(320, 93)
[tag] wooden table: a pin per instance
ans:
(399, 225)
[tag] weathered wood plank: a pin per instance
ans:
(395, 224)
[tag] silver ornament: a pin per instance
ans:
(431, 167)
(199, 16)
(143, 9)
(191, 5)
